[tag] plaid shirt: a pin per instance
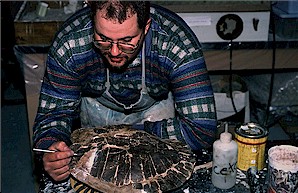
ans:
(174, 62)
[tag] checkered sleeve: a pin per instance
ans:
(180, 52)
(195, 109)
(195, 116)
(60, 94)
(58, 106)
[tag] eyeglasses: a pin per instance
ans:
(123, 46)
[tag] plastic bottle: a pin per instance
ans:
(224, 165)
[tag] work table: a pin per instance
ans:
(200, 182)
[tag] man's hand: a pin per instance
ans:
(57, 164)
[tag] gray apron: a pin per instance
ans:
(106, 110)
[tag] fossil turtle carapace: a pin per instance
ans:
(120, 159)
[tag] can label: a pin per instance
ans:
(251, 140)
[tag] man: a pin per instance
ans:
(115, 63)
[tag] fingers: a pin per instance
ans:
(59, 146)
(58, 174)
(62, 176)
(57, 164)
(56, 156)
(53, 162)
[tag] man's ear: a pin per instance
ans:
(147, 25)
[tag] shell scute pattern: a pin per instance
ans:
(122, 159)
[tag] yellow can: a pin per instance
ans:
(251, 140)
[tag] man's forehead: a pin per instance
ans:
(116, 15)
(114, 30)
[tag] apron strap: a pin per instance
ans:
(103, 110)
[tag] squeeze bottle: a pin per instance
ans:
(224, 165)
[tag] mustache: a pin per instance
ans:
(117, 57)
(108, 55)
(116, 69)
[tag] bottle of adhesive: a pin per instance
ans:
(224, 165)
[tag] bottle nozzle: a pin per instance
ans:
(226, 136)
(226, 127)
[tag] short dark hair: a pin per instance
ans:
(121, 10)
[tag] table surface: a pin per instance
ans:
(200, 182)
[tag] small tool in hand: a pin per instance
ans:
(48, 151)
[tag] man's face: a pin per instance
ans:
(118, 34)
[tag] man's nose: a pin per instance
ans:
(115, 51)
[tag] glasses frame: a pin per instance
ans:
(134, 47)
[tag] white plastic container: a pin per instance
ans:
(42, 9)
(224, 165)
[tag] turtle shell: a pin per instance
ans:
(121, 159)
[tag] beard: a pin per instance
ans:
(111, 62)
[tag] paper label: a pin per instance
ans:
(197, 20)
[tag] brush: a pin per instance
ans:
(48, 151)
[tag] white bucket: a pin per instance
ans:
(283, 169)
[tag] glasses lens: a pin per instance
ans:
(106, 45)
(103, 45)
(127, 48)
